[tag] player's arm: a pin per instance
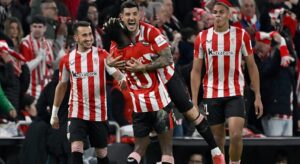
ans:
(165, 58)
(253, 73)
(196, 79)
(60, 91)
(196, 69)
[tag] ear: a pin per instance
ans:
(75, 38)
(45, 28)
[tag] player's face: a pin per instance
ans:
(84, 38)
(221, 15)
(37, 30)
(130, 18)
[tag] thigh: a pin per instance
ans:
(215, 111)
(98, 133)
(235, 107)
(142, 124)
(179, 94)
(76, 130)
(164, 121)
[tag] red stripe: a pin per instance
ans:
(71, 86)
(226, 64)
(91, 86)
(171, 121)
(33, 82)
(137, 103)
(215, 65)
(79, 86)
(102, 85)
(237, 63)
(203, 39)
(158, 98)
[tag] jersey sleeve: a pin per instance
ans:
(157, 40)
(64, 69)
(246, 44)
(198, 50)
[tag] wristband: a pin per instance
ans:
(54, 110)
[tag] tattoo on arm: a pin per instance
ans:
(165, 58)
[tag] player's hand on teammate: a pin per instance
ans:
(258, 106)
(115, 62)
(134, 65)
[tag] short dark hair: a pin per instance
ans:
(38, 19)
(80, 24)
(186, 33)
(129, 4)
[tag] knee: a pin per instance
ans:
(101, 153)
(235, 137)
(77, 146)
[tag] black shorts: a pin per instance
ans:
(161, 121)
(220, 109)
(179, 94)
(97, 131)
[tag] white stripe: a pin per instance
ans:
(141, 37)
(210, 71)
(241, 74)
(201, 53)
(232, 62)
(142, 102)
(164, 95)
(85, 86)
(153, 100)
(133, 101)
(221, 64)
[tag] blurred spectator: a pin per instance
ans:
(186, 46)
(249, 21)
(196, 159)
(38, 53)
(11, 73)
(14, 30)
(14, 9)
(5, 106)
(28, 111)
(172, 21)
(276, 86)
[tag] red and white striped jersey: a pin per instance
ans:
(147, 91)
(86, 71)
(42, 74)
(222, 53)
(152, 35)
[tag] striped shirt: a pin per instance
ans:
(222, 53)
(42, 74)
(152, 35)
(147, 91)
(86, 71)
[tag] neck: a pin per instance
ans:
(221, 28)
(82, 49)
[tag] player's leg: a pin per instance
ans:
(164, 125)
(77, 133)
(98, 135)
(235, 113)
(180, 98)
(141, 130)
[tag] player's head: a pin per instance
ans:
(117, 32)
(130, 15)
(221, 13)
(83, 35)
